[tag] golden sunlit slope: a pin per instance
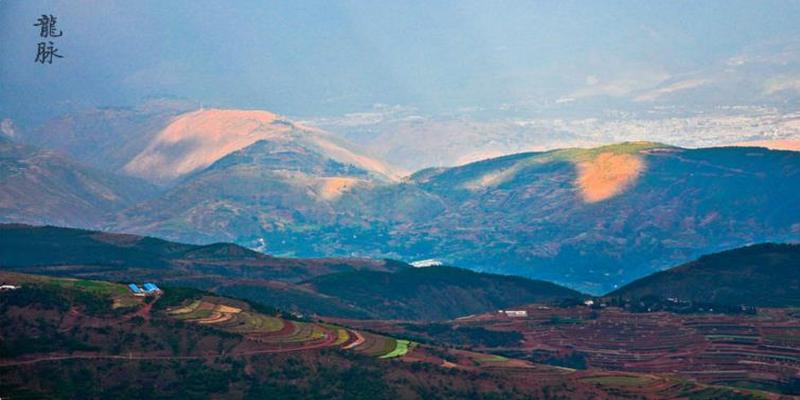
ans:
(602, 172)
(607, 175)
(195, 140)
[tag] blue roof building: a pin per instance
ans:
(150, 287)
(134, 288)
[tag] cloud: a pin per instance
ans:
(672, 88)
(620, 87)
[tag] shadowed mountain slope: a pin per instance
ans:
(42, 186)
(408, 294)
(355, 288)
(764, 275)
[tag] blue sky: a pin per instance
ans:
(328, 57)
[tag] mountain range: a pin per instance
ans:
(592, 219)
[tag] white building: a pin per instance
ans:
(430, 262)
(516, 313)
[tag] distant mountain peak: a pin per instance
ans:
(195, 140)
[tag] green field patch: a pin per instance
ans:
(491, 359)
(94, 287)
(400, 349)
(121, 297)
(559, 320)
(303, 332)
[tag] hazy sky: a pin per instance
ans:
(328, 57)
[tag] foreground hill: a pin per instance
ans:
(741, 349)
(429, 293)
(85, 253)
(765, 275)
(64, 338)
(41, 186)
(347, 287)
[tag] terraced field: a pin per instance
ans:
(761, 351)
(661, 387)
(271, 333)
(400, 349)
